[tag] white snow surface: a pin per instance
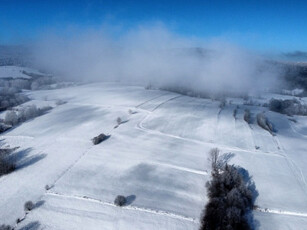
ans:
(157, 158)
(17, 72)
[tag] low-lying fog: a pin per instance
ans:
(155, 56)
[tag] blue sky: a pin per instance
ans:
(262, 25)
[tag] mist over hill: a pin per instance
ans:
(15, 55)
(156, 57)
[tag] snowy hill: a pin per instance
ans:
(157, 157)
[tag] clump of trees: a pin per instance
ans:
(16, 83)
(7, 163)
(230, 198)
(34, 83)
(264, 123)
(288, 106)
(10, 97)
(11, 88)
(22, 114)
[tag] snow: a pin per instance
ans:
(17, 72)
(158, 158)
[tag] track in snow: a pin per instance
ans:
(199, 172)
(141, 209)
(280, 212)
(230, 148)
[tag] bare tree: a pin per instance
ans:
(214, 158)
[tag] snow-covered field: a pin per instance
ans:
(157, 157)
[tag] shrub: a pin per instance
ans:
(29, 206)
(100, 138)
(247, 116)
(120, 200)
(48, 187)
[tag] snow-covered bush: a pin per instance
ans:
(264, 123)
(100, 138)
(120, 200)
(29, 206)
(230, 201)
(247, 116)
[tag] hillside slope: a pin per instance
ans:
(157, 157)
